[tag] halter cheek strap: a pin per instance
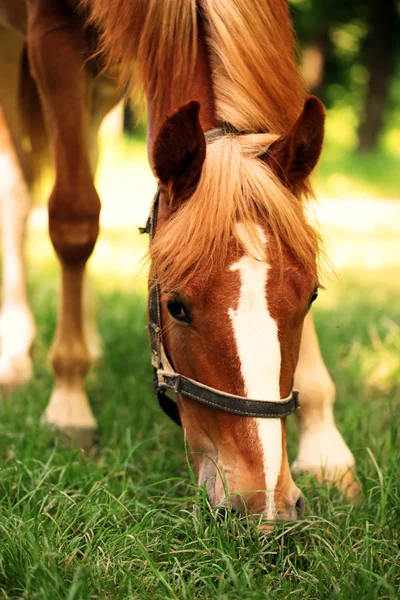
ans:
(166, 378)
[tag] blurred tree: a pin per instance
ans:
(383, 26)
(349, 51)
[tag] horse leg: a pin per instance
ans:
(57, 52)
(17, 327)
(322, 450)
(92, 335)
(105, 95)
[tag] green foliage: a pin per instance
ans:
(344, 173)
(346, 29)
(130, 523)
(349, 40)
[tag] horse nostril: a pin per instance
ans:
(300, 506)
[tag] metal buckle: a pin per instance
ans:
(154, 334)
(172, 382)
(154, 327)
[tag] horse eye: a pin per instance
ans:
(177, 310)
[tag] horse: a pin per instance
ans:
(232, 139)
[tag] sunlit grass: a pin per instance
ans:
(125, 181)
(344, 173)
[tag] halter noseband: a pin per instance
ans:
(166, 378)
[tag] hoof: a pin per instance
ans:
(324, 453)
(84, 440)
(342, 478)
(69, 413)
(346, 481)
(15, 371)
(80, 438)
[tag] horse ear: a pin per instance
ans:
(294, 155)
(179, 151)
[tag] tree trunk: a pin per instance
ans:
(382, 19)
(314, 58)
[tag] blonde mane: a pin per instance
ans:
(256, 82)
(257, 88)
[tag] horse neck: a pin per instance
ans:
(199, 88)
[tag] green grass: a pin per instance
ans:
(345, 173)
(130, 522)
(342, 172)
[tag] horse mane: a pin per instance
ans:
(256, 81)
(257, 88)
(145, 43)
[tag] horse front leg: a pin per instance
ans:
(322, 449)
(57, 54)
(17, 326)
(105, 95)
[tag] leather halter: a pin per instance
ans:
(165, 376)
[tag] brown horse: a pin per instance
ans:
(233, 255)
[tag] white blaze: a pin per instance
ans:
(256, 335)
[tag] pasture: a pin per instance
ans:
(129, 521)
